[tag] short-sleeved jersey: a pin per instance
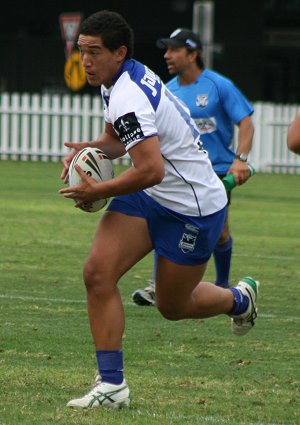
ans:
(139, 106)
(216, 104)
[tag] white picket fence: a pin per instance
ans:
(34, 127)
(269, 150)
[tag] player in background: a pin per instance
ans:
(169, 200)
(293, 136)
(216, 105)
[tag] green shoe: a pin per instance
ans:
(242, 323)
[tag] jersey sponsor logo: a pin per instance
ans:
(202, 100)
(206, 125)
(151, 80)
(128, 128)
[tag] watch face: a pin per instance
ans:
(242, 157)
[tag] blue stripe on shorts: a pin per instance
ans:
(180, 238)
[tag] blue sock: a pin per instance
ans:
(222, 255)
(240, 302)
(110, 365)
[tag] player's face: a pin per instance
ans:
(177, 59)
(100, 64)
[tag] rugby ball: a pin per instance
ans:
(95, 164)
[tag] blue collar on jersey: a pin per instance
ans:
(146, 79)
(127, 66)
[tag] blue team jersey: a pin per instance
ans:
(216, 105)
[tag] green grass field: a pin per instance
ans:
(188, 372)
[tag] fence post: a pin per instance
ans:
(4, 105)
(35, 123)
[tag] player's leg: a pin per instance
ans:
(222, 256)
(120, 241)
(185, 245)
(179, 295)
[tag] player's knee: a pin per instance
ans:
(225, 233)
(225, 236)
(169, 312)
(94, 277)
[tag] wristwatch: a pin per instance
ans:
(241, 156)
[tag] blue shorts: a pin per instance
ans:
(180, 238)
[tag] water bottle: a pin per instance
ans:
(229, 180)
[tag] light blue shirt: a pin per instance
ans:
(216, 105)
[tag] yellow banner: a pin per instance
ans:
(75, 77)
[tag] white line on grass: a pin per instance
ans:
(126, 303)
(266, 257)
(204, 419)
(30, 298)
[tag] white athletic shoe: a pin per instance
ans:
(104, 394)
(242, 323)
(145, 296)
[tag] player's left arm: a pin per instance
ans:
(245, 137)
(147, 170)
(109, 143)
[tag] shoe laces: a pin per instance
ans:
(253, 314)
(96, 381)
(150, 287)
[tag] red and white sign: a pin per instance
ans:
(69, 26)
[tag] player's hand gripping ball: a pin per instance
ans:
(96, 165)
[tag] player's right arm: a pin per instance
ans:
(293, 136)
(108, 142)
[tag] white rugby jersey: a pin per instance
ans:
(139, 105)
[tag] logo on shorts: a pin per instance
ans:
(187, 243)
(192, 228)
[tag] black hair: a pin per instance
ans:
(112, 28)
(199, 59)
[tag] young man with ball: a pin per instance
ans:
(169, 200)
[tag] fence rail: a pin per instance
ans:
(34, 127)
